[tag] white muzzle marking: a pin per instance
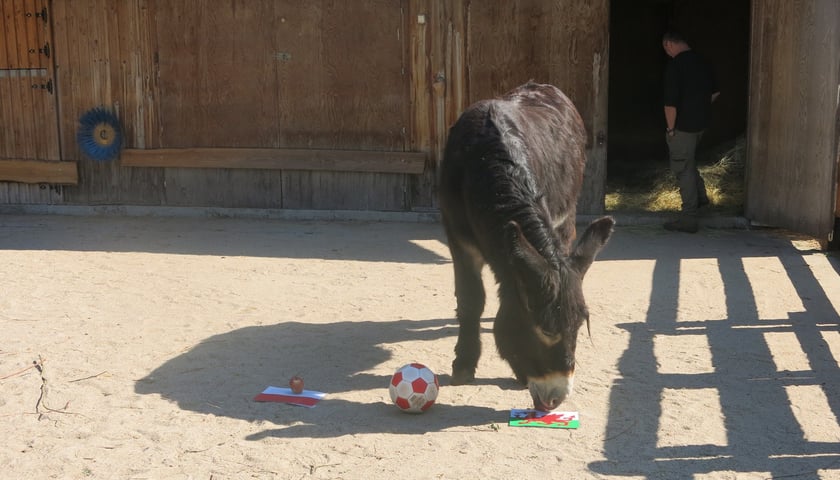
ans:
(550, 391)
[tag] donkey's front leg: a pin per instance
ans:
(469, 292)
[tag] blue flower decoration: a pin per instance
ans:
(99, 135)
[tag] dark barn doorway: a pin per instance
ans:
(717, 29)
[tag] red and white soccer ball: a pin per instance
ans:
(414, 388)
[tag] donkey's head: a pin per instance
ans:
(542, 310)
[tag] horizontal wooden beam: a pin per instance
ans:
(39, 171)
(277, 159)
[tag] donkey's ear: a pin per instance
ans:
(533, 273)
(591, 242)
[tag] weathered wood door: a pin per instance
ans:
(564, 43)
(314, 75)
(29, 143)
(28, 121)
(792, 147)
(282, 74)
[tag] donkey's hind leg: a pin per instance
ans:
(470, 296)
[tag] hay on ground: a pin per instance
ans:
(656, 189)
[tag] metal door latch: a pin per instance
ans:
(42, 14)
(44, 50)
(44, 86)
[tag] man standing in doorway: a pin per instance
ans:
(690, 89)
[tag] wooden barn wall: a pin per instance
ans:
(384, 75)
(792, 135)
(287, 74)
(564, 43)
(222, 73)
(104, 52)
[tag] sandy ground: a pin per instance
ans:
(711, 356)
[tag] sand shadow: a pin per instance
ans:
(753, 393)
(221, 375)
(226, 237)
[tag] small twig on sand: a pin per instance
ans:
(42, 398)
(34, 365)
(88, 378)
(313, 468)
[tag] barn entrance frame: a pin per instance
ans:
(778, 68)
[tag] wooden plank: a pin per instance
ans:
(7, 134)
(344, 191)
(7, 35)
(419, 33)
(791, 154)
(21, 56)
(139, 94)
(30, 193)
(74, 39)
(42, 37)
(26, 117)
(836, 156)
(29, 36)
(44, 107)
(212, 186)
(34, 171)
(438, 53)
(17, 119)
(584, 40)
(277, 159)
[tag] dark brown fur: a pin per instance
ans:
(510, 179)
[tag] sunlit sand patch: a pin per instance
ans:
(811, 409)
(701, 288)
(832, 338)
(732, 475)
(828, 474)
(778, 297)
(827, 276)
(786, 351)
(631, 279)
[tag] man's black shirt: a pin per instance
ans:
(689, 85)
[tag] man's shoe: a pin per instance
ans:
(682, 225)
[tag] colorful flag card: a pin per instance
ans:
(534, 418)
(307, 398)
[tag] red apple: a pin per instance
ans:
(296, 384)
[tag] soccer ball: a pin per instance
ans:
(414, 388)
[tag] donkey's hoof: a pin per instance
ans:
(461, 377)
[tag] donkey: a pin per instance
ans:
(510, 178)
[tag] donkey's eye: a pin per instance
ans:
(548, 337)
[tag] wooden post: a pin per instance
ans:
(437, 31)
